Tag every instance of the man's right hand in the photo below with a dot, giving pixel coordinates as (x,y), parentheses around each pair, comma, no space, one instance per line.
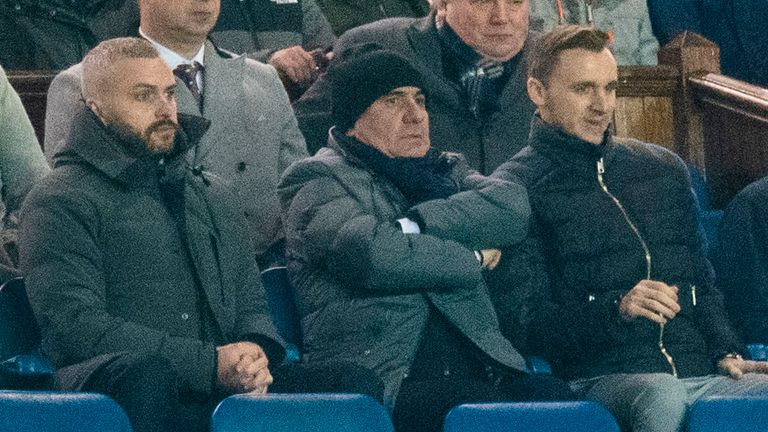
(243,367)
(295,63)
(650,299)
(491,258)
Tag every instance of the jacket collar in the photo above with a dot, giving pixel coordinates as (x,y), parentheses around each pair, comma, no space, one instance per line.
(566,149)
(333,143)
(426,42)
(101,147)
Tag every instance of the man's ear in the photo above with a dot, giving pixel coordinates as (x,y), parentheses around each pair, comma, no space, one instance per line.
(536,91)
(95,107)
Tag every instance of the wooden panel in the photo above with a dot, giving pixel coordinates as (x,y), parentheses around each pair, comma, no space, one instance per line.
(644,104)
(646,118)
(735,130)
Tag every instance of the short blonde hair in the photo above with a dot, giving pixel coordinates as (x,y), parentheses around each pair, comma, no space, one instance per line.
(98,64)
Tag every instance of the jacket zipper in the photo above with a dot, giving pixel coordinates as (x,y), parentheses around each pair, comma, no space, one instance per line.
(646,251)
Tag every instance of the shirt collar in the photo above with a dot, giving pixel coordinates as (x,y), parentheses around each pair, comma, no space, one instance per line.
(172,58)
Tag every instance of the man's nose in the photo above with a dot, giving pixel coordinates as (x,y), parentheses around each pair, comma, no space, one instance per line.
(501,12)
(601,100)
(166,107)
(414,112)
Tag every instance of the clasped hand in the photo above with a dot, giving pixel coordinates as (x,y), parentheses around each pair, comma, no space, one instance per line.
(650,299)
(243,367)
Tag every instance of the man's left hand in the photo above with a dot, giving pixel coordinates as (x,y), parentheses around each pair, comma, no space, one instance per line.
(735,367)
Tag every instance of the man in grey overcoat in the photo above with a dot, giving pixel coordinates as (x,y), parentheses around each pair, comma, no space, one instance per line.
(139,268)
(253,135)
(472,56)
(387,242)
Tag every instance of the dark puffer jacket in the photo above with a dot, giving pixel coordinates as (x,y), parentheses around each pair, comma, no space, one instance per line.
(741,261)
(365,288)
(586,255)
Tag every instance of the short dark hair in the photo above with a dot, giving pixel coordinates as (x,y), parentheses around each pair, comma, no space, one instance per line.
(546,52)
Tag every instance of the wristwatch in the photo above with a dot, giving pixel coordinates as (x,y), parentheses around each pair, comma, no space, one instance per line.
(733,355)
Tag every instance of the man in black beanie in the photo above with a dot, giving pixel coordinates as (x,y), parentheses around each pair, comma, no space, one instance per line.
(387,242)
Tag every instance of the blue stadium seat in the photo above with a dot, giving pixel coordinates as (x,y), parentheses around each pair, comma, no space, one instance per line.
(300,413)
(723,414)
(21,365)
(709,218)
(530,417)
(32,411)
(538,366)
(283,309)
(757,352)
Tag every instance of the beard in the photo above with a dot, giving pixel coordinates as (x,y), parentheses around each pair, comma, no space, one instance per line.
(157,138)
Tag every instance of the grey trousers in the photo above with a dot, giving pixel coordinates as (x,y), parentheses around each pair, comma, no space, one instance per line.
(658,402)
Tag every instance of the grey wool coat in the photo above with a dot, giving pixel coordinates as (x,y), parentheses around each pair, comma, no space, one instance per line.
(364,287)
(252,139)
(111,248)
(485,142)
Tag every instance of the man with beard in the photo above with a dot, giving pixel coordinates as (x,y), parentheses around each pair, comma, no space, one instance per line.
(138,267)
(253,134)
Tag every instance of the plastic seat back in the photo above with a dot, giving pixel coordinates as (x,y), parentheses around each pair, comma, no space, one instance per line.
(530,417)
(25,411)
(723,414)
(303,412)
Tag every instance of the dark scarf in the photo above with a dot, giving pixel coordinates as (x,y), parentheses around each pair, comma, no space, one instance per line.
(481,79)
(418,178)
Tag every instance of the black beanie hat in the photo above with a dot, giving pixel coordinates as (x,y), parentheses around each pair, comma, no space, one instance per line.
(359,79)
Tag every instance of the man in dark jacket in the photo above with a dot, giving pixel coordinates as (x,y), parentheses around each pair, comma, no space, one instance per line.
(472,57)
(387,241)
(347,14)
(55,34)
(741,261)
(253,135)
(139,269)
(292,36)
(624,303)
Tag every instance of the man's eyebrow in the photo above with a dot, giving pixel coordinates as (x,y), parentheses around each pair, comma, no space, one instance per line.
(143,86)
(404,93)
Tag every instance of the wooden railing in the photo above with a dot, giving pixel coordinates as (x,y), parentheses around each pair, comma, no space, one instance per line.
(715,123)
(735,133)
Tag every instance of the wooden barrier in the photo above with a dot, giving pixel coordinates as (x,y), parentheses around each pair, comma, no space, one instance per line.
(735,133)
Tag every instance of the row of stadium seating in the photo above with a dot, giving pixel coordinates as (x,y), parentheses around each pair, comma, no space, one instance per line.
(28,411)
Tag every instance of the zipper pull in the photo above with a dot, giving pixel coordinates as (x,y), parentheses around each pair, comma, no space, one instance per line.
(600,171)
(693,294)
